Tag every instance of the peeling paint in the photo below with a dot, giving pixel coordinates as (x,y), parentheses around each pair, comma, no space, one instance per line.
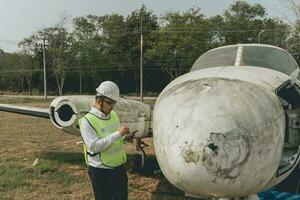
(190,153)
(226,152)
(190,156)
(213,147)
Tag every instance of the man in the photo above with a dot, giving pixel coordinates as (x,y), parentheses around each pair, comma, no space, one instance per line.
(103,145)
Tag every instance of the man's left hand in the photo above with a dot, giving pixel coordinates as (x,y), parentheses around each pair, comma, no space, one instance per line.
(129,137)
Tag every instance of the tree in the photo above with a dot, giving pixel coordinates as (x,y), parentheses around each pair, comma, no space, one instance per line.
(293,39)
(108,47)
(181,39)
(114,54)
(5,67)
(243,23)
(139,21)
(215,26)
(16,71)
(28,55)
(58,50)
(292,7)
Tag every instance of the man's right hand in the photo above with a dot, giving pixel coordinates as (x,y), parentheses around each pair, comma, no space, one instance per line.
(124,130)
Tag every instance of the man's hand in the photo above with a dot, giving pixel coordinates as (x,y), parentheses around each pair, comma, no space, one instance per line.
(124,130)
(129,137)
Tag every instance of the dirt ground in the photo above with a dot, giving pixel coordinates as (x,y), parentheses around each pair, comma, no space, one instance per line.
(38,161)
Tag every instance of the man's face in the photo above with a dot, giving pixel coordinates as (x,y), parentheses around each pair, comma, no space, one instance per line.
(108,105)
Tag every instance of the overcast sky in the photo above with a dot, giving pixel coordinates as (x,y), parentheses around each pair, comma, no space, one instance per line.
(21,18)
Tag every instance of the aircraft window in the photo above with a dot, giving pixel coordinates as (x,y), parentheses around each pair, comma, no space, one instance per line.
(216,58)
(267,57)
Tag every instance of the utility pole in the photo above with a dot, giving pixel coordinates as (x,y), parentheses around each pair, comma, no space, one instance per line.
(258,41)
(141,60)
(79,78)
(78,59)
(44,62)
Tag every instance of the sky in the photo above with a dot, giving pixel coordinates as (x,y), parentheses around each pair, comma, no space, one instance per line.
(21,18)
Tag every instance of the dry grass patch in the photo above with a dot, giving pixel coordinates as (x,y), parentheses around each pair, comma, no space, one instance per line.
(60,172)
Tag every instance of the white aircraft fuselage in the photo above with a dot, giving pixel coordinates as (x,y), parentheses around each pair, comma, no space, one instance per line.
(220,131)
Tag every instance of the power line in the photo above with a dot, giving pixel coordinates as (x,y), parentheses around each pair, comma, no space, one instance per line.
(193,30)
(106,69)
(8,41)
(213,31)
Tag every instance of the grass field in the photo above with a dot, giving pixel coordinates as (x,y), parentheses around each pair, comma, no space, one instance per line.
(38,161)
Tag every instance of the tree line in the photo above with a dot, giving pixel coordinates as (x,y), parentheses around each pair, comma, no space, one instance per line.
(90,49)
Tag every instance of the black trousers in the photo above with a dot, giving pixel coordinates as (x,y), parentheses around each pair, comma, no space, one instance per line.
(109,184)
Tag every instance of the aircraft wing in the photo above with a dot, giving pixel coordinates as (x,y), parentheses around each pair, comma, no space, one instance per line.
(32,111)
(65,111)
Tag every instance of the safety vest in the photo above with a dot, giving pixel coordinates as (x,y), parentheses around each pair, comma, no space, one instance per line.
(114,155)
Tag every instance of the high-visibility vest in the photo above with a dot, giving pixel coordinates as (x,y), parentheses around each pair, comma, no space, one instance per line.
(114,155)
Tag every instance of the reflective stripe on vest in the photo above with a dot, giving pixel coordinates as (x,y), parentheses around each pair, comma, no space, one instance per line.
(114,155)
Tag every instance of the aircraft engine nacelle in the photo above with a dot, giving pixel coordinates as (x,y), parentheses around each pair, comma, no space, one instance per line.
(67,110)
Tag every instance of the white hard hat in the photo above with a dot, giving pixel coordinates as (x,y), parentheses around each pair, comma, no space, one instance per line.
(109,89)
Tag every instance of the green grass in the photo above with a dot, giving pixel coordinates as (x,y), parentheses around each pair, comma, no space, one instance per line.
(47,167)
(12,176)
(64,177)
(52,169)
(73,158)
